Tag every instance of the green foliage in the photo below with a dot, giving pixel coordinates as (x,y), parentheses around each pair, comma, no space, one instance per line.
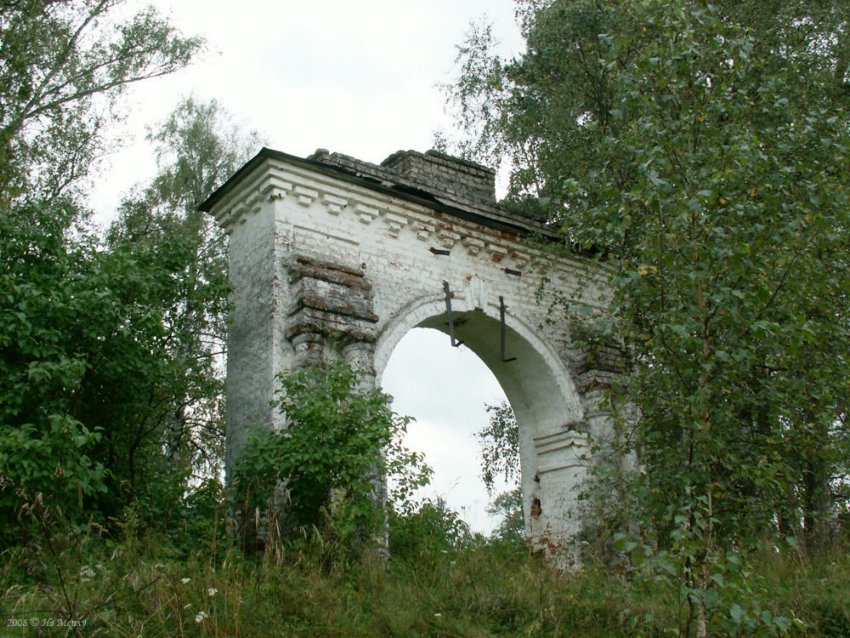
(43,447)
(78,323)
(133,587)
(51,463)
(426,531)
(500,456)
(727,258)
(499,445)
(702,150)
(104,347)
(63,62)
(729,591)
(508,506)
(332,456)
(187,520)
(198,146)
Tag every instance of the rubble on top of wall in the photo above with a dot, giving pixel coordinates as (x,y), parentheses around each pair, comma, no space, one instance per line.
(434,175)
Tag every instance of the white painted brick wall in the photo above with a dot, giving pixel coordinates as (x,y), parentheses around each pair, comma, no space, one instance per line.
(282,209)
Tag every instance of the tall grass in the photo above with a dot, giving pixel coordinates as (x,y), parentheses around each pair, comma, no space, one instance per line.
(84,584)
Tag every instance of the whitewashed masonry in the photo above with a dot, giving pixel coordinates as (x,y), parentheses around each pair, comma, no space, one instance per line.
(332,257)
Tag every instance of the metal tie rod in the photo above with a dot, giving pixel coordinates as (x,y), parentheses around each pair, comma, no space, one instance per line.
(502,331)
(455,342)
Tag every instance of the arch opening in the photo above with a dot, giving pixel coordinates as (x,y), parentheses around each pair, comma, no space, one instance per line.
(535,382)
(445,390)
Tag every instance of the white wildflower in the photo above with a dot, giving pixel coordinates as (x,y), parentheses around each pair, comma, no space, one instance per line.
(199,617)
(185,580)
(212,591)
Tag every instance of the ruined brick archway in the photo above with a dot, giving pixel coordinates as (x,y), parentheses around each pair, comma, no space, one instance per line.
(331,257)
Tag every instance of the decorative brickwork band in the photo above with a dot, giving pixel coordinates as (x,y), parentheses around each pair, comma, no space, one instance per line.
(330,300)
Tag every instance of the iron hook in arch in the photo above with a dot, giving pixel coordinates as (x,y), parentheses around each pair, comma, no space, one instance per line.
(502,331)
(455,342)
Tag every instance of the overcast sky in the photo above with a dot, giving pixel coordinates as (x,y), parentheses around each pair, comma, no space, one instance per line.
(357,77)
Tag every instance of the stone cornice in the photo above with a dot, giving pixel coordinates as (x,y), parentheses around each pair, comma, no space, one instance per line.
(561,450)
(488,216)
(275,178)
